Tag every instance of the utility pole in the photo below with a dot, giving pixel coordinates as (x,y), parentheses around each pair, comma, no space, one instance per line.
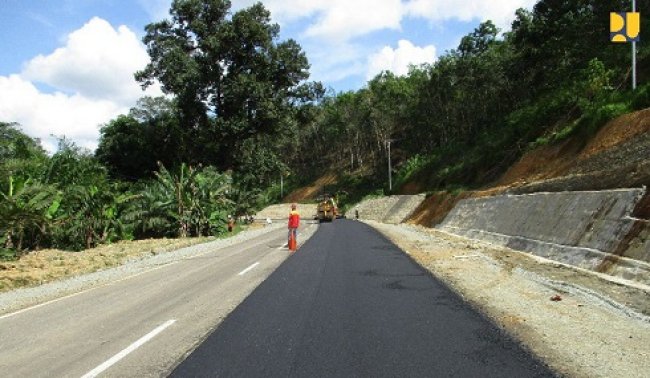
(281,186)
(633,53)
(390,174)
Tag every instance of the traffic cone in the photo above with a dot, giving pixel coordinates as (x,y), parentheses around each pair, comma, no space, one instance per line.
(292,242)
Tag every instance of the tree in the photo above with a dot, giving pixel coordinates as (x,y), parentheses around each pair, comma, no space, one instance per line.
(73,165)
(231,77)
(478,41)
(21,157)
(183,202)
(27,212)
(132,145)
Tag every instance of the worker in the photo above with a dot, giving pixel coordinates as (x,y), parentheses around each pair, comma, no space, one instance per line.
(231,223)
(294,222)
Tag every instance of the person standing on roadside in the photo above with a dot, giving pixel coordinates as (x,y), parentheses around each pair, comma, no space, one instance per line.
(294,223)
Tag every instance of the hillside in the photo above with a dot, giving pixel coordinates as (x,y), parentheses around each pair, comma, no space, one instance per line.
(618,156)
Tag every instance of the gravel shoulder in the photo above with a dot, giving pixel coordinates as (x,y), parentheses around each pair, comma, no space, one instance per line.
(581,323)
(18,299)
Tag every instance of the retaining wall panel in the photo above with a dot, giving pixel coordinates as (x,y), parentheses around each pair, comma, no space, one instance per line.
(591,230)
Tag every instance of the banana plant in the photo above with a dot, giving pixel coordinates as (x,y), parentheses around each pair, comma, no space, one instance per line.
(179,190)
(27,212)
(93,215)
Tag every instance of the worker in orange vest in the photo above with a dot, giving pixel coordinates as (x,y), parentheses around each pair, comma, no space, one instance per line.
(294,222)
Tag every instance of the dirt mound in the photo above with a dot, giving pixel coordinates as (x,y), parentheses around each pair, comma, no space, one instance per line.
(308,193)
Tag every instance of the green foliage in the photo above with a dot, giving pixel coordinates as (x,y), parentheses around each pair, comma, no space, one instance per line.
(241,105)
(72,165)
(182,202)
(90,215)
(131,146)
(641,98)
(7,254)
(232,77)
(27,212)
(594,119)
(21,157)
(414,164)
(463,120)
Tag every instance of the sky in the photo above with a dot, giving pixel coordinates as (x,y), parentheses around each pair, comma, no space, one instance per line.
(66,66)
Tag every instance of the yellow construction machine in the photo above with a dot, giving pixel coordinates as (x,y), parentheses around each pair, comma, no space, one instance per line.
(326,209)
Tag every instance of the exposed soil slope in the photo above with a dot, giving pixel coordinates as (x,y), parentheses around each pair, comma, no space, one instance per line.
(617,156)
(308,193)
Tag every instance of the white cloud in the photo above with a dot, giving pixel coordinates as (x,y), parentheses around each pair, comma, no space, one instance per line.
(335,24)
(343,20)
(42,115)
(92,78)
(97,61)
(500,12)
(335,20)
(398,60)
(334,63)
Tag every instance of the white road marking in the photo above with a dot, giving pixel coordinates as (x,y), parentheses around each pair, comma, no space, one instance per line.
(85,291)
(111,283)
(248,269)
(113,360)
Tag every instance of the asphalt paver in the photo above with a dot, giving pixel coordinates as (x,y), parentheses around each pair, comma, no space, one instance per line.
(349,303)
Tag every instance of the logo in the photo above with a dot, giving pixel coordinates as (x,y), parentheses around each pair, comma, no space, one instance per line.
(624,27)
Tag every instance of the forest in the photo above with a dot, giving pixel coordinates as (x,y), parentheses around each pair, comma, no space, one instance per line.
(240,113)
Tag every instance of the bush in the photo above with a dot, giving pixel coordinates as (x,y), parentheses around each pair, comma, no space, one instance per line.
(413,165)
(593,120)
(7,254)
(641,98)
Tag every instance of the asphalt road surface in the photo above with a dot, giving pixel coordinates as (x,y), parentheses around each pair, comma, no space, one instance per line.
(349,303)
(142,325)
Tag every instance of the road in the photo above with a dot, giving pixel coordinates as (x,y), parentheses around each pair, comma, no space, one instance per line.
(351,304)
(139,326)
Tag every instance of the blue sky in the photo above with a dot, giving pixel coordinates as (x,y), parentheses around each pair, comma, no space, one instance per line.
(67,65)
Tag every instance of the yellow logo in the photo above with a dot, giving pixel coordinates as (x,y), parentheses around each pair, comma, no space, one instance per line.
(624,27)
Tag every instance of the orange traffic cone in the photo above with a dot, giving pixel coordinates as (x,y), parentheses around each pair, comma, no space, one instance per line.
(292,242)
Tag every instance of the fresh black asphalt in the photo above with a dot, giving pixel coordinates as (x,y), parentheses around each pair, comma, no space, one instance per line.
(349,303)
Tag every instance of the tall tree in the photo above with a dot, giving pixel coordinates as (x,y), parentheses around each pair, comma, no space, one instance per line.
(231,76)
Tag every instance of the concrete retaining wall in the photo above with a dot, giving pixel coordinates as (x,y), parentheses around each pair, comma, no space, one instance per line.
(593,230)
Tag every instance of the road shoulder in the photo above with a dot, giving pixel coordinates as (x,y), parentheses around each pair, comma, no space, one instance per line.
(18,299)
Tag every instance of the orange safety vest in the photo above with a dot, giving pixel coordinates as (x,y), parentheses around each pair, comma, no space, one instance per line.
(294,219)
